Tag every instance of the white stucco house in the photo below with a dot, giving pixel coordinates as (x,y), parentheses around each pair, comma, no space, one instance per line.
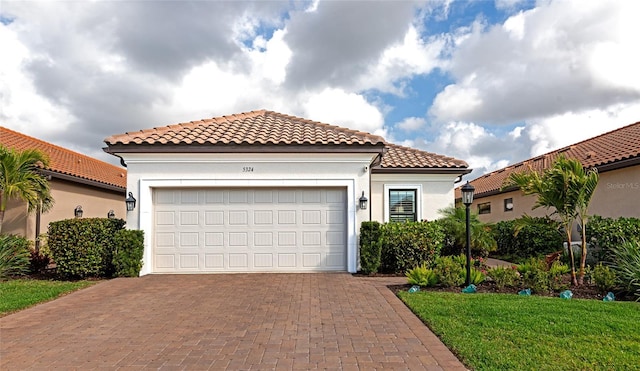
(267,192)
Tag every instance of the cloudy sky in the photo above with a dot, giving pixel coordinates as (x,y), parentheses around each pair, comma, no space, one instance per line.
(489,82)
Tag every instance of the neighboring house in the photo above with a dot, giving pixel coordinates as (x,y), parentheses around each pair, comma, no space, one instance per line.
(263,191)
(75,180)
(615,154)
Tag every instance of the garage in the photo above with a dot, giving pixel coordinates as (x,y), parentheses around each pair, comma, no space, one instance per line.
(249,229)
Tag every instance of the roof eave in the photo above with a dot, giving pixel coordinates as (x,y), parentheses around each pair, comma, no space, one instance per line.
(244,148)
(421,170)
(85,181)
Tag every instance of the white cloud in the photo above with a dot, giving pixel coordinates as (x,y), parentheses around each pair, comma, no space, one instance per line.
(563,56)
(338,107)
(412,123)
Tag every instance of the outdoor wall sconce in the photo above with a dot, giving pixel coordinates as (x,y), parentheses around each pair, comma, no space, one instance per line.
(111,214)
(131,202)
(77,212)
(363,202)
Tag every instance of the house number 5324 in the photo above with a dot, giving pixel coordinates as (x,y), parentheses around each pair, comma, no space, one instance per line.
(247,169)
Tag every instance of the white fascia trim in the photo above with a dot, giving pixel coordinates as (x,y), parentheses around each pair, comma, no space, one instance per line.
(385,198)
(146,206)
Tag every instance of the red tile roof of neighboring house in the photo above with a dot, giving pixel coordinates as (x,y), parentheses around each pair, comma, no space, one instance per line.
(65,162)
(608,151)
(267,128)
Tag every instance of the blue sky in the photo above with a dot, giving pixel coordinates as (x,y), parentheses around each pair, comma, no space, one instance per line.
(489,82)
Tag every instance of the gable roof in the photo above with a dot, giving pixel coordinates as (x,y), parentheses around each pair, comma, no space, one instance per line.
(69,165)
(609,151)
(268,131)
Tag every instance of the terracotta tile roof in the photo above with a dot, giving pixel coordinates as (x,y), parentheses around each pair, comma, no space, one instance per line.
(263,127)
(403,157)
(66,162)
(606,151)
(256,127)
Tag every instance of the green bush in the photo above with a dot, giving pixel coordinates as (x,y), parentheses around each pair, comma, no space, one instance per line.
(476,276)
(604,234)
(604,277)
(370,247)
(14,256)
(38,262)
(127,258)
(422,276)
(539,236)
(454,225)
(504,277)
(539,278)
(84,247)
(407,245)
(626,265)
(448,269)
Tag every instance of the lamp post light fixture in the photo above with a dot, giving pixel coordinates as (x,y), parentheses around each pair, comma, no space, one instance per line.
(363,201)
(111,214)
(77,212)
(131,202)
(467,200)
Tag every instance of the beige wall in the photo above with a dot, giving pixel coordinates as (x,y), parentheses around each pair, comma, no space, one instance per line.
(95,203)
(617,194)
(437,193)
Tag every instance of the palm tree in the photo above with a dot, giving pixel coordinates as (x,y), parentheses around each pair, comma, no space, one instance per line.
(586,182)
(567,189)
(20,179)
(454,220)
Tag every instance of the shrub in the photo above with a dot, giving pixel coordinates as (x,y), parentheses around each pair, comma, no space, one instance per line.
(84,247)
(555,274)
(407,245)
(129,247)
(536,236)
(476,276)
(38,262)
(14,256)
(448,269)
(604,277)
(422,276)
(504,277)
(626,265)
(370,247)
(605,234)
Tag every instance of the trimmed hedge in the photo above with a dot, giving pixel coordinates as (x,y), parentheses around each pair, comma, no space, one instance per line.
(127,258)
(407,245)
(370,247)
(84,247)
(537,239)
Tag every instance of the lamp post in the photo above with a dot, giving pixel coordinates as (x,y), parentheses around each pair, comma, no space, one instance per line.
(467,200)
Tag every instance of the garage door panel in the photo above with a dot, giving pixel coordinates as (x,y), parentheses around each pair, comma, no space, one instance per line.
(278,229)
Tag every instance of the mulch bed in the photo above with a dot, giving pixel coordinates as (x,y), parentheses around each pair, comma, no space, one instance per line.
(586,291)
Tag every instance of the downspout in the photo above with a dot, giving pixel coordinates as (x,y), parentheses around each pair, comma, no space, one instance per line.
(37,239)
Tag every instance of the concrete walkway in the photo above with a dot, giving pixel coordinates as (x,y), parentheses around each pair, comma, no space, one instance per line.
(238,322)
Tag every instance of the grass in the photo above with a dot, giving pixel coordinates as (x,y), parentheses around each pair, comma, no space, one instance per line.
(22,293)
(510,332)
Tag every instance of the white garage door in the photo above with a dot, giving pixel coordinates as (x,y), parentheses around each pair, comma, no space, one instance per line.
(243,230)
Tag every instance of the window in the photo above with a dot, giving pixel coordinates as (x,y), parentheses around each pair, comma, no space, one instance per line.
(508,204)
(402,205)
(484,208)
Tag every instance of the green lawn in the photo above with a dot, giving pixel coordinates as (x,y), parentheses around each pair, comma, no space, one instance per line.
(22,293)
(510,332)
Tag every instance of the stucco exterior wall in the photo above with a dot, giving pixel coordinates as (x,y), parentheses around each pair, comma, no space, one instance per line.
(617,194)
(146,172)
(95,203)
(437,192)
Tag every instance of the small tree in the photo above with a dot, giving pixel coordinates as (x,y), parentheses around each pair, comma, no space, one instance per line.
(566,188)
(20,179)
(455,224)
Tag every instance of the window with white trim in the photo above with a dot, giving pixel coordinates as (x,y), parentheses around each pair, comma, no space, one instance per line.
(402,205)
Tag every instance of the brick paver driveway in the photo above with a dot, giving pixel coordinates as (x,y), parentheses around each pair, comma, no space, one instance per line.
(239,322)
